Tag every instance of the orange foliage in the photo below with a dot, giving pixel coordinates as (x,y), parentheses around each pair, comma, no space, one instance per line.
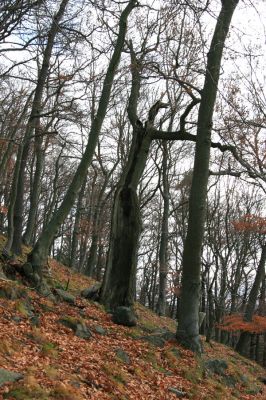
(235,322)
(250,223)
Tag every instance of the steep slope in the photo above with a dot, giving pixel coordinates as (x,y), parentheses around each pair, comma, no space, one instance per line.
(70,349)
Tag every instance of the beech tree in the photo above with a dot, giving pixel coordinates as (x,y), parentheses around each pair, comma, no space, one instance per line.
(188,321)
(40,251)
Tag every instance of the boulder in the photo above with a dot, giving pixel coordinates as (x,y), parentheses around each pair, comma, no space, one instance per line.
(155,340)
(65,296)
(124,316)
(122,355)
(82,331)
(165,334)
(92,292)
(216,366)
(12,292)
(100,330)
(78,327)
(9,376)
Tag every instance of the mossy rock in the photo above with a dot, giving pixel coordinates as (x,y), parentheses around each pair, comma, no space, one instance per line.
(25,308)
(77,326)
(65,296)
(24,393)
(7,376)
(12,292)
(123,356)
(124,316)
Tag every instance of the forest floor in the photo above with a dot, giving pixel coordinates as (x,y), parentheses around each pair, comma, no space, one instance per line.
(42,355)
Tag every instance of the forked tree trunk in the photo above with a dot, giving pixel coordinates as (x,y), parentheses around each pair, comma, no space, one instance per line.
(38,256)
(188,321)
(119,280)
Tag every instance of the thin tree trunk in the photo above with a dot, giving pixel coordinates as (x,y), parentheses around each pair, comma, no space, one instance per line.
(74,242)
(188,321)
(39,253)
(253,296)
(163,269)
(33,123)
(35,190)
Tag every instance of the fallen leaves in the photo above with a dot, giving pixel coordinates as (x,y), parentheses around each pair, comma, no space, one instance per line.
(56,364)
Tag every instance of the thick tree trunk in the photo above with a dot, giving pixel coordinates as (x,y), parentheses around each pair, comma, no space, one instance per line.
(188,322)
(253,296)
(119,279)
(39,253)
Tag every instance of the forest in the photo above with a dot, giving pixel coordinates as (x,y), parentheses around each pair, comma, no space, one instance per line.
(133,151)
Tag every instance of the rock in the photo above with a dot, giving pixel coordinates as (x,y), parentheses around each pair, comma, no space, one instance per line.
(78,327)
(165,334)
(254,391)
(25,308)
(155,340)
(82,331)
(100,330)
(65,296)
(68,322)
(35,320)
(9,376)
(244,379)
(230,380)
(16,319)
(12,293)
(216,366)
(122,355)
(262,379)
(27,269)
(177,392)
(124,316)
(92,292)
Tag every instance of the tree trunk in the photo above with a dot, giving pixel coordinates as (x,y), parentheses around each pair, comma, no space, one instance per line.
(74,242)
(163,269)
(39,253)
(253,296)
(33,123)
(188,322)
(119,279)
(35,190)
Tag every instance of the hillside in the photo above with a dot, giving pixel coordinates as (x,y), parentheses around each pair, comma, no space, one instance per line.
(72,350)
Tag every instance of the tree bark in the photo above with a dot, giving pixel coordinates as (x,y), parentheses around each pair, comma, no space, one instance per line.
(33,123)
(119,279)
(188,322)
(253,296)
(39,253)
(74,242)
(163,269)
